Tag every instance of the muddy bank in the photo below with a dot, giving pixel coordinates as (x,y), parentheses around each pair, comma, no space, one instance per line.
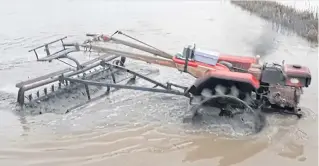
(304,23)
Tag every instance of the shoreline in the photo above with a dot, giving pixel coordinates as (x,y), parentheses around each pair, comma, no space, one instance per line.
(303,23)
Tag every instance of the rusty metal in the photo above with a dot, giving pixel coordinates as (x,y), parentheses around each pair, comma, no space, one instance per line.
(101,66)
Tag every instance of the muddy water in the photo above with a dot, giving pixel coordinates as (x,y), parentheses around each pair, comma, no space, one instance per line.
(134,128)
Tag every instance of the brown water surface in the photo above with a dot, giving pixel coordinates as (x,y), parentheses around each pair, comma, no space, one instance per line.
(139,128)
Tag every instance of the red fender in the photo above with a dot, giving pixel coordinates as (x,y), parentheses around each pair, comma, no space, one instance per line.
(234,76)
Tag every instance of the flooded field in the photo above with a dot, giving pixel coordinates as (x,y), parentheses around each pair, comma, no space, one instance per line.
(140,128)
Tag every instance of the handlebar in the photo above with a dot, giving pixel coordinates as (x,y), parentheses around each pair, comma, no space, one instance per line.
(43,45)
(91,35)
(69,44)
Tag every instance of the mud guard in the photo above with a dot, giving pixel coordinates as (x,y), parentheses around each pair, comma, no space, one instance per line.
(245,82)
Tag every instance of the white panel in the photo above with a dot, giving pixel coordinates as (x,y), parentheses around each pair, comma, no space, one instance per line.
(208,57)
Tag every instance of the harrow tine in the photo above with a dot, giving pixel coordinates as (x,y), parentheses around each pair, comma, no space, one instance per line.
(30,97)
(45,91)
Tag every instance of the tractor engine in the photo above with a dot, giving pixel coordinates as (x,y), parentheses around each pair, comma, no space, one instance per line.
(284,96)
(283,83)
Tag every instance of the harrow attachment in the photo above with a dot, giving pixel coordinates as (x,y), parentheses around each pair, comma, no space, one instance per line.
(97,77)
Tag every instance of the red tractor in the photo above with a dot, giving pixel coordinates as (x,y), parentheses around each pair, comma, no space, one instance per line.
(270,86)
(229,82)
(235,85)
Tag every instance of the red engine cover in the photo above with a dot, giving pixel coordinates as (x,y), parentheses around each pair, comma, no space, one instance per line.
(297,70)
(297,75)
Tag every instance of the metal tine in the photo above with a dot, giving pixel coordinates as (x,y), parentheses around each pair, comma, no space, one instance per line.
(38,94)
(30,97)
(52,88)
(45,91)
(59,85)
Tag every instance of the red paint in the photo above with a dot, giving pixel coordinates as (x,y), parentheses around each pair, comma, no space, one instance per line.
(242,77)
(229,58)
(221,71)
(105,38)
(193,63)
(237,59)
(302,71)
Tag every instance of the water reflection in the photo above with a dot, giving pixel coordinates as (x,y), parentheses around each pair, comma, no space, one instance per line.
(292,150)
(230,151)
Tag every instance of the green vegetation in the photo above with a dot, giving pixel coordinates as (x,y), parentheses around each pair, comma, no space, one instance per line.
(303,23)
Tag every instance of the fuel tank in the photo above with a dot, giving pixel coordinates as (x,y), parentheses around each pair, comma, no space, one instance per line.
(296,75)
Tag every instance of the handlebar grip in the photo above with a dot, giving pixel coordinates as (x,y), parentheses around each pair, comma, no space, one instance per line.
(91,35)
(69,44)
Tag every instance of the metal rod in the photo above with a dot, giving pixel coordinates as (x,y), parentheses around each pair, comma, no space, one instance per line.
(59,54)
(69,74)
(78,65)
(121,33)
(149,49)
(93,99)
(87,91)
(145,58)
(66,63)
(143,48)
(94,83)
(139,75)
(62,44)
(20,84)
(36,54)
(47,50)
(112,74)
(178,86)
(187,58)
(197,71)
(54,41)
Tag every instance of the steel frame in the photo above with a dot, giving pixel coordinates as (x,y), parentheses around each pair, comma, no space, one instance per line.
(66,76)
